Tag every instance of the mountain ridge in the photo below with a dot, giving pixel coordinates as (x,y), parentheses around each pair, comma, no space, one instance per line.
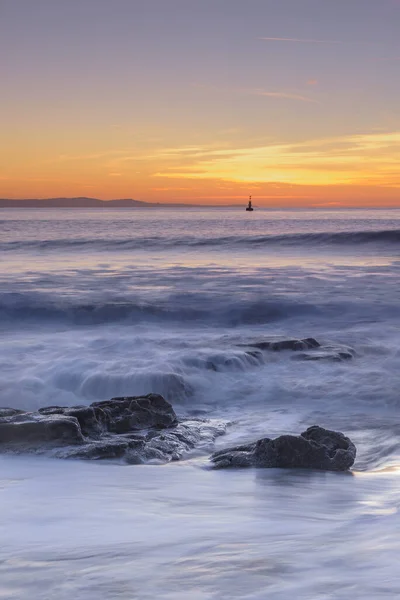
(84,202)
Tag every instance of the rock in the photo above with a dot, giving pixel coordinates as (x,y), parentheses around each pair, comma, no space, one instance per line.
(93,423)
(131,413)
(316,448)
(119,415)
(156,446)
(185,437)
(279,344)
(105,449)
(10,412)
(138,429)
(330,353)
(306,349)
(32,430)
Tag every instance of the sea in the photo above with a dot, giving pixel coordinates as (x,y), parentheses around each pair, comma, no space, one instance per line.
(112,302)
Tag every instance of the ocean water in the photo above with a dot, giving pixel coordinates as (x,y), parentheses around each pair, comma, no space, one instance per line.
(103,303)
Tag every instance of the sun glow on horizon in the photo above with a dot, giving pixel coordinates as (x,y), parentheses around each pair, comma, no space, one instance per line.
(329,169)
(134,104)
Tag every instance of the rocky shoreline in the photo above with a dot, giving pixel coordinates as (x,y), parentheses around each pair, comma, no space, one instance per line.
(146,429)
(143,429)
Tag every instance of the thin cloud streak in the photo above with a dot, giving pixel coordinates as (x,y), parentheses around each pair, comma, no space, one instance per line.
(287,96)
(261,92)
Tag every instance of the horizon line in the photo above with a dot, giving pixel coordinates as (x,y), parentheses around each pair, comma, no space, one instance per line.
(315,206)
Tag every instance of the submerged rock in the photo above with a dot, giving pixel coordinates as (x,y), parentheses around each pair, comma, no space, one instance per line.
(305,349)
(330,353)
(139,429)
(315,448)
(279,344)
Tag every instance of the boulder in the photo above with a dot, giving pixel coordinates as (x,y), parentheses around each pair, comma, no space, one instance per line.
(32,430)
(138,429)
(159,446)
(119,415)
(315,448)
(93,423)
(132,413)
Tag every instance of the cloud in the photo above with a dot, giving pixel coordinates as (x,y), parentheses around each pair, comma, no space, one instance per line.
(300,41)
(285,95)
(89,156)
(365,159)
(288,95)
(312,82)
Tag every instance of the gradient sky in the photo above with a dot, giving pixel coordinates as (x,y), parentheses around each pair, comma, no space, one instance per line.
(294,101)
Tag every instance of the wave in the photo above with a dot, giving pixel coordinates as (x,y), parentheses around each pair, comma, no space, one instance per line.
(351,238)
(16,309)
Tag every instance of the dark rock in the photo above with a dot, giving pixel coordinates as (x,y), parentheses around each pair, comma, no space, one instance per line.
(147,455)
(83,424)
(93,422)
(188,435)
(104,449)
(307,349)
(316,448)
(52,410)
(157,446)
(256,354)
(329,353)
(32,430)
(10,412)
(138,429)
(130,413)
(277,345)
(119,415)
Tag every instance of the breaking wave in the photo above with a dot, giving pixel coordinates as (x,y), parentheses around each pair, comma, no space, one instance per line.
(41,309)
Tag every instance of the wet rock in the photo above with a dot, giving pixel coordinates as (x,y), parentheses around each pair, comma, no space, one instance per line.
(104,449)
(93,423)
(32,430)
(176,442)
(119,415)
(307,349)
(279,344)
(329,353)
(10,412)
(155,446)
(315,448)
(130,413)
(138,429)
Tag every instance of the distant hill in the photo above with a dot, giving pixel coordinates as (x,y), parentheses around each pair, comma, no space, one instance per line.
(82,202)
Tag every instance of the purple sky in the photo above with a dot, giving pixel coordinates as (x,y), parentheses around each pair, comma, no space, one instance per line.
(97,93)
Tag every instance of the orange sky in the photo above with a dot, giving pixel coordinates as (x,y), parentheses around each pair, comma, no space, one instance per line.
(136,104)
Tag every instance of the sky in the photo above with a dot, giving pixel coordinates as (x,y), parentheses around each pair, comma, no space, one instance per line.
(293,101)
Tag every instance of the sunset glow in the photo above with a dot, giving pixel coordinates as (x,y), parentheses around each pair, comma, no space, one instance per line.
(294,102)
